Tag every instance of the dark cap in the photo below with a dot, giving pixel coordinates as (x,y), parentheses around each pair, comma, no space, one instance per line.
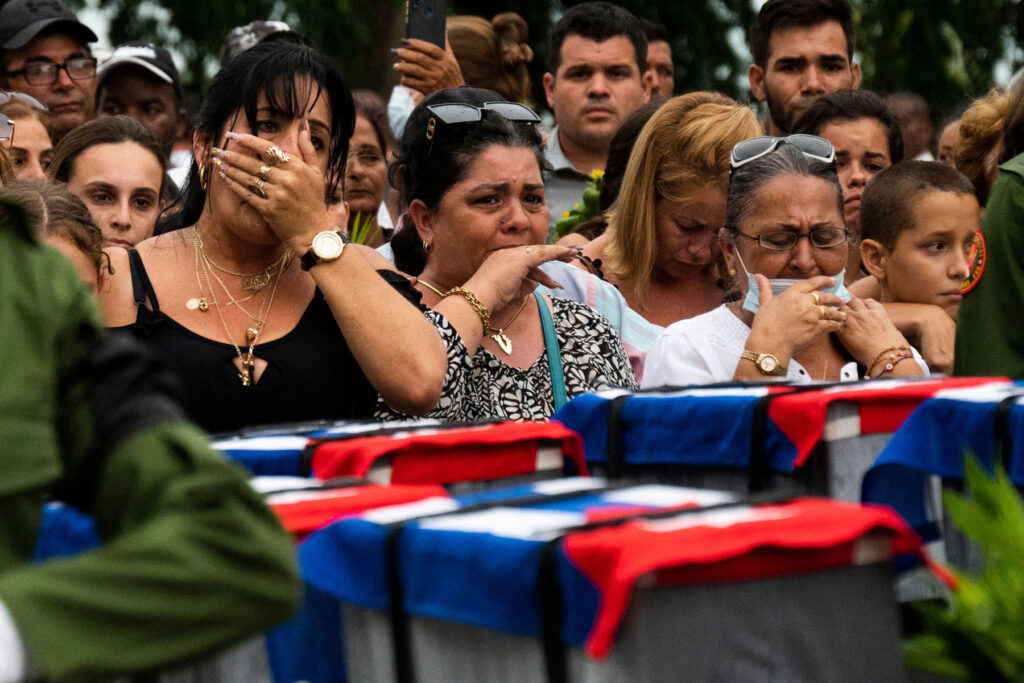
(23,20)
(153,58)
(241,38)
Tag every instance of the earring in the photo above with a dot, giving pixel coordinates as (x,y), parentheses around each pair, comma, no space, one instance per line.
(732,272)
(203,184)
(428,246)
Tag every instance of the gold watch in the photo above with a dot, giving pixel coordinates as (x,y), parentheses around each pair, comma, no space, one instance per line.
(766,363)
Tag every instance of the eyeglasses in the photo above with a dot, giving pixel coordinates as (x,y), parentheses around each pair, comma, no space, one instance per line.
(457,112)
(6,97)
(784,240)
(46,73)
(754,148)
(7,131)
(366,156)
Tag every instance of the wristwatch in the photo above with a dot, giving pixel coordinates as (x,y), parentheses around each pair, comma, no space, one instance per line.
(327,246)
(766,363)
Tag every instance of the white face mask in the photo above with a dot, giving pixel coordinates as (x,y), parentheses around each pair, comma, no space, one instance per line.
(780,285)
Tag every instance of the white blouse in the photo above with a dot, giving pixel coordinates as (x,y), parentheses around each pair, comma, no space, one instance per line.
(706,350)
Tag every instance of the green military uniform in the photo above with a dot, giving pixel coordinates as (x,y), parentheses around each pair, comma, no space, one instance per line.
(989,332)
(192,559)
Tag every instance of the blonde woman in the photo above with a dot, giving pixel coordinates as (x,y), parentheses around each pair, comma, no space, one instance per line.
(660,248)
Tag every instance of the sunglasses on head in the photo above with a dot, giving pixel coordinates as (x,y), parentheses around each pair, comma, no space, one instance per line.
(6,96)
(457,112)
(753,149)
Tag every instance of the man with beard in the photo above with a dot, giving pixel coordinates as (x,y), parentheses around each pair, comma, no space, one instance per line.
(802,50)
(44,52)
(598,77)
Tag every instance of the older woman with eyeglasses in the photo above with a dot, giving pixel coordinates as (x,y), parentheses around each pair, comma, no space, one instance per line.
(786,240)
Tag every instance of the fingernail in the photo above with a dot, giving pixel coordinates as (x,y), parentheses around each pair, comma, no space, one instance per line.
(232,135)
(558,285)
(394,50)
(404,41)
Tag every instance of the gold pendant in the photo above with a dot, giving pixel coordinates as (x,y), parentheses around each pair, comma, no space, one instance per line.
(245,374)
(503,342)
(250,335)
(254,283)
(197,303)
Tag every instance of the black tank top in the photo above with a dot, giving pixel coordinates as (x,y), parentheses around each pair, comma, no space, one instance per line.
(310,373)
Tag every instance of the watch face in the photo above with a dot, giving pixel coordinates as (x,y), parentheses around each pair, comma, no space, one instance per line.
(768,363)
(327,245)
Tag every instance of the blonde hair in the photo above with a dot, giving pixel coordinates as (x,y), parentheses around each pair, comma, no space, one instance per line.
(687,141)
(981,139)
(493,54)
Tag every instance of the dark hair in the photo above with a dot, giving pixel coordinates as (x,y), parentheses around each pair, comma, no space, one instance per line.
(619,150)
(785,159)
(106,130)
(1013,125)
(887,207)
(597,21)
(54,211)
(655,31)
(370,106)
(272,68)
(776,15)
(852,105)
(426,169)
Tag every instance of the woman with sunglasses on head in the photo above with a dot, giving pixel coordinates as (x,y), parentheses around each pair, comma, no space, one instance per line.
(469,169)
(256,300)
(786,241)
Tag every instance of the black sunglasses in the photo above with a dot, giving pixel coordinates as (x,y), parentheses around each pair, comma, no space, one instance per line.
(752,149)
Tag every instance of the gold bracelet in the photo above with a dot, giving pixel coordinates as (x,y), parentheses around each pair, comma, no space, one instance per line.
(881,354)
(474,301)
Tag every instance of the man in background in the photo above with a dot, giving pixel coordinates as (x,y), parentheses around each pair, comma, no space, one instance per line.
(44,52)
(802,50)
(659,59)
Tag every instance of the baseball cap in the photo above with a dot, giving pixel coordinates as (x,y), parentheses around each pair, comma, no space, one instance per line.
(23,20)
(150,57)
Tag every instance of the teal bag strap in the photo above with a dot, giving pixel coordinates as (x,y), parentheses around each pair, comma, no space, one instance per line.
(554,353)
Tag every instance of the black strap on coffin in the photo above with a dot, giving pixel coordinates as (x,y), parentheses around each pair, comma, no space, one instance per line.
(1002,444)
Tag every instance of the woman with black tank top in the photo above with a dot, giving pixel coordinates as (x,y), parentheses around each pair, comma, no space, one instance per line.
(265,316)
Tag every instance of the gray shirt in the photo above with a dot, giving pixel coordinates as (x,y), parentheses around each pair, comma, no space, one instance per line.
(564,184)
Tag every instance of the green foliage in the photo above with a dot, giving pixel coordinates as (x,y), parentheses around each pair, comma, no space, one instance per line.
(590,208)
(364,229)
(980,637)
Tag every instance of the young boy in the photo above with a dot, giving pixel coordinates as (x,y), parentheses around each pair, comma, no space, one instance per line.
(919,221)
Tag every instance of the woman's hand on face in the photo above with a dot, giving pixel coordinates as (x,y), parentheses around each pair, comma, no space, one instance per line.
(293,205)
(509,274)
(425,67)
(786,323)
(868,330)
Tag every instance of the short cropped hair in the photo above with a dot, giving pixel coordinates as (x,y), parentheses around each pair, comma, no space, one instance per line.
(776,15)
(887,207)
(597,21)
(852,105)
(655,31)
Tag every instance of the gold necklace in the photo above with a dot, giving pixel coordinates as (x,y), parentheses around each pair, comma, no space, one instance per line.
(251,282)
(499,336)
(431,287)
(252,333)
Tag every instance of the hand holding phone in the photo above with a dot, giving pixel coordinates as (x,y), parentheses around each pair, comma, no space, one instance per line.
(425,20)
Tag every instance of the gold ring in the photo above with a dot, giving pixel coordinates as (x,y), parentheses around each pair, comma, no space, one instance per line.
(821,313)
(256,187)
(276,156)
(263,172)
(817,299)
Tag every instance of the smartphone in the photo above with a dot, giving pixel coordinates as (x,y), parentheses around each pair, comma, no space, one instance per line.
(425,19)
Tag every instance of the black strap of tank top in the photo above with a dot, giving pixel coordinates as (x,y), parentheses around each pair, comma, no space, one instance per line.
(142,288)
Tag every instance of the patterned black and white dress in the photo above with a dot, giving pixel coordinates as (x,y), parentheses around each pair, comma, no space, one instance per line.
(485,388)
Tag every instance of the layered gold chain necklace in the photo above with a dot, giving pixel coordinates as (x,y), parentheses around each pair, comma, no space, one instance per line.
(252,332)
(498,335)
